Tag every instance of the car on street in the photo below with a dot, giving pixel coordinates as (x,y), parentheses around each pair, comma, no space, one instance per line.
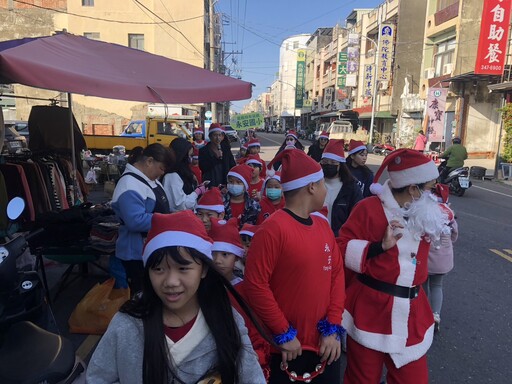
(231,133)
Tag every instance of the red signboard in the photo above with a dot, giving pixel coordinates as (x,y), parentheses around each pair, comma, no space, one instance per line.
(492,46)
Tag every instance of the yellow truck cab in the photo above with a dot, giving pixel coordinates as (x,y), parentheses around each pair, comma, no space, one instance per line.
(144,132)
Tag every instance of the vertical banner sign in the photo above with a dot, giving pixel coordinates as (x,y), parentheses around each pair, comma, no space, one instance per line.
(436,104)
(342,69)
(368,80)
(353,54)
(492,45)
(299,82)
(386,51)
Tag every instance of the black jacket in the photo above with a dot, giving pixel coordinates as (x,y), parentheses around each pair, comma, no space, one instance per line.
(347,198)
(214,169)
(364,177)
(315,151)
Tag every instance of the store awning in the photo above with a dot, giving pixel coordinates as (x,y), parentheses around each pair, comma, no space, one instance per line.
(340,114)
(501,87)
(378,115)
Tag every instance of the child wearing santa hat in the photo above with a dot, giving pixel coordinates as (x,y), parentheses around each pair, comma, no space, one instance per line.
(343,192)
(253,147)
(199,141)
(290,140)
(294,277)
(227,247)
(210,206)
(440,257)
(237,202)
(272,196)
(194,166)
(240,157)
(258,175)
(386,242)
(356,162)
(317,148)
(172,332)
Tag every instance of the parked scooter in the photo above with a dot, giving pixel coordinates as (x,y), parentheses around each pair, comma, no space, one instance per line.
(383,149)
(457,179)
(29,354)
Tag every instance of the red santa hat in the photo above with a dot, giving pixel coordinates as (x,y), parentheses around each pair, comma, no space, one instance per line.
(181,229)
(323,213)
(271,174)
(253,143)
(335,150)
(297,169)
(198,130)
(211,200)
(292,133)
(324,135)
(405,167)
(355,146)
(242,172)
(248,229)
(254,159)
(244,146)
(443,192)
(226,237)
(215,127)
(195,154)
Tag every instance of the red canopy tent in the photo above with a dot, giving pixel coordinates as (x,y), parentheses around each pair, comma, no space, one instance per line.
(75,64)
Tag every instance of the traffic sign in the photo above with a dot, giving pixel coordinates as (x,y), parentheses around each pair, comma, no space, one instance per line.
(208,114)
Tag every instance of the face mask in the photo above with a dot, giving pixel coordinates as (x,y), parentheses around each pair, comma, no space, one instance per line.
(273,193)
(330,170)
(235,189)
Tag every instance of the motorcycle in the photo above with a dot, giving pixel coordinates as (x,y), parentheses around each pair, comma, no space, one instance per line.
(29,354)
(383,149)
(457,180)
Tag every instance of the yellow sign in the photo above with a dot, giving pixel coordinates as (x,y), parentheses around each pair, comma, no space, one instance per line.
(247,121)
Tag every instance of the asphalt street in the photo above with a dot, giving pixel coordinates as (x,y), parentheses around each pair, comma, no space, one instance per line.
(475,341)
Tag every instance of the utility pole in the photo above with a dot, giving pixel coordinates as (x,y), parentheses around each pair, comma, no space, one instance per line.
(212,54)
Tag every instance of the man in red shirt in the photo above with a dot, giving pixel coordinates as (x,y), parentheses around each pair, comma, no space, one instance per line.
(294,277)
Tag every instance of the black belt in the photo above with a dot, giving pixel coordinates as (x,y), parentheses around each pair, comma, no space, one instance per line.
(390,289)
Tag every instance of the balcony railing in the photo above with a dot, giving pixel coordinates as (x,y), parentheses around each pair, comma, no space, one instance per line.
(448,13)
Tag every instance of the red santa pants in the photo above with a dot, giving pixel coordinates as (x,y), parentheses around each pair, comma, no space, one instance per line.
(364,366)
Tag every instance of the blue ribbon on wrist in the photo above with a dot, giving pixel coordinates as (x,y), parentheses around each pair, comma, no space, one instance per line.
(289,335)
(327,329)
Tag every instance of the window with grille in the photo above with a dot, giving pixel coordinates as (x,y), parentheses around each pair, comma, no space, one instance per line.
(87,3)
(444,55)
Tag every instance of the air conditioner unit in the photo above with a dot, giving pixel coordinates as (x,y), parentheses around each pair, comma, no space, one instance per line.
(447,69)
(430,73)
(383,85)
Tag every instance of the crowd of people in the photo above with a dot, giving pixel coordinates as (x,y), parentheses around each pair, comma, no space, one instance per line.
(248,272)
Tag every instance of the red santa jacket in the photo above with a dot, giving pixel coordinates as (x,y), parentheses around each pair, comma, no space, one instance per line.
(267,208)
(401,327)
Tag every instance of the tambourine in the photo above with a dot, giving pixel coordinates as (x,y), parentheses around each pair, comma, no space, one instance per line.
(306,377)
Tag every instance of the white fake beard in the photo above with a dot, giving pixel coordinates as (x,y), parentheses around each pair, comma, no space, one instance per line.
(425,217)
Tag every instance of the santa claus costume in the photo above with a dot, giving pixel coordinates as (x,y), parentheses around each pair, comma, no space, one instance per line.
(387,315)
(294,276)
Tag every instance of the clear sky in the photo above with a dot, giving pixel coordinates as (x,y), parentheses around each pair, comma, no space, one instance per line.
(257,27)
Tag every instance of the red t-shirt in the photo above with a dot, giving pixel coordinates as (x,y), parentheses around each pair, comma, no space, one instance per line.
(255,187)
(178,333)
(237,209)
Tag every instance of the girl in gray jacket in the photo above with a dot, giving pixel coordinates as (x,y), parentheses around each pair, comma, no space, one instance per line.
(182,328)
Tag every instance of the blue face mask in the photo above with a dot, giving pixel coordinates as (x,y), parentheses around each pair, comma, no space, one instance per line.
(235,189)
(273,193)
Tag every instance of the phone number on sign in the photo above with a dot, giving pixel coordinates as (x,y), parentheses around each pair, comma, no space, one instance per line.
(491,67)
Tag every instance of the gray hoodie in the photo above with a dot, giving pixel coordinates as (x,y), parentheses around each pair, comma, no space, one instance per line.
(118,356)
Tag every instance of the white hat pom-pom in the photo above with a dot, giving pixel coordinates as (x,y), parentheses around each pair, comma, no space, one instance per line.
(271,173)
(376,188)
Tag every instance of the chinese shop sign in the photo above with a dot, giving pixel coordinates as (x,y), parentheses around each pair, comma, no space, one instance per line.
(386,51)
(492,45)
(436,104)
(301,71)
(247,120)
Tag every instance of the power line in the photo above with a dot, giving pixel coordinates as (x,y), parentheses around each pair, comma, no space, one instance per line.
(102,19)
